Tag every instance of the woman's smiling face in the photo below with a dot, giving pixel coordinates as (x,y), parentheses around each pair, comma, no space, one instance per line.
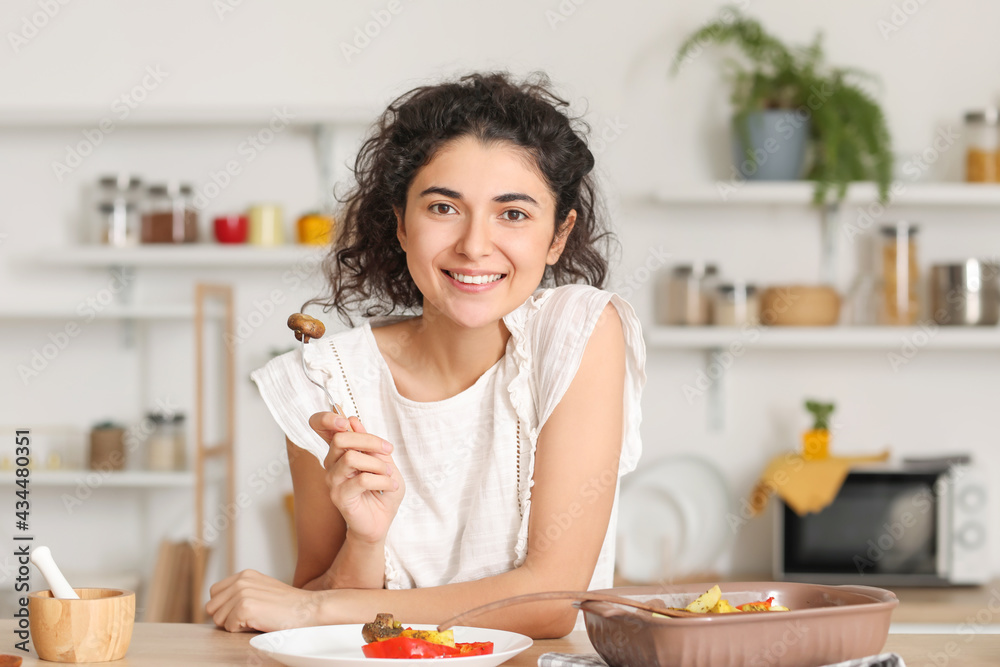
(478,231)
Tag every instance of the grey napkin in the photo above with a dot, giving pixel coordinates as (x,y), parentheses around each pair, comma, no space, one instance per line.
(594,660)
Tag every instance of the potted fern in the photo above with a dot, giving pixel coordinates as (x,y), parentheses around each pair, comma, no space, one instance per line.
(793,114)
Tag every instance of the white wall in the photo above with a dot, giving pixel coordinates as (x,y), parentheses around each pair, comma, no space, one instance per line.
(611,59)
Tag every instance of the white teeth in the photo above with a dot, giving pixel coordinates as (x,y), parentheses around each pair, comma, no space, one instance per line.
(475,280)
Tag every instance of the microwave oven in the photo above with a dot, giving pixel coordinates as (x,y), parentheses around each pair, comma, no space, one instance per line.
(892,526)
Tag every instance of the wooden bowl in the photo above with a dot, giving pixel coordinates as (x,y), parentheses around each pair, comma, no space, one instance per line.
(800,306)
(95,628)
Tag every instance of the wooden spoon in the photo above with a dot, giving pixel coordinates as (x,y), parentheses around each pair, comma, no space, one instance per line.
(580,596)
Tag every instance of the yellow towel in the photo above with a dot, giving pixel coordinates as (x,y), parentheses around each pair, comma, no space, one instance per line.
(806,486)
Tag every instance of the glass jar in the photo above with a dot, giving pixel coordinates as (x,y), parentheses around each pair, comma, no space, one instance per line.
(231,228)
(314,229)
(735,304)
(982,152)
(118,199)
(684,295)
(864,298)
(169,215)
(180,442)
(266,225)
(161,447)
(900,277)
(107,447)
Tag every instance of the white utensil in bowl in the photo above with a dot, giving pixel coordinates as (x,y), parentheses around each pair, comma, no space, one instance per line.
(42,558)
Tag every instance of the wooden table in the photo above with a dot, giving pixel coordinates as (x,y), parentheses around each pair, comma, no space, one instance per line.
(948,605)
(178,644)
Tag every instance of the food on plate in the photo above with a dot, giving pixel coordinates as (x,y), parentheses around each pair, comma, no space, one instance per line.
(387,638)
(712,602)
(723,607)
(706,601)
(763,605)
(305,327)
(383,627)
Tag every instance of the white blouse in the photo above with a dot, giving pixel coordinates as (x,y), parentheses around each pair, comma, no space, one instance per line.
(467,460)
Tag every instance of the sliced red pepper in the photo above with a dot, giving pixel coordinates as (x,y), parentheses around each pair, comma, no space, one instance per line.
(475,648)
(763,605)
(408,648)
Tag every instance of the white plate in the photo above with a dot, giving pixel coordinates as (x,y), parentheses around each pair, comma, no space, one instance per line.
(340,645)
(672,519)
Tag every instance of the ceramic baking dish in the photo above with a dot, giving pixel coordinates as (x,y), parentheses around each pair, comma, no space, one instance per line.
(826,624)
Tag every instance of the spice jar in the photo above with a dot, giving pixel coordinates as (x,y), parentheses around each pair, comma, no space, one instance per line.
(314,229)
(160,447)
(982,153)
(900,300)
(684,295)
(735,304)
(118,198)
(169,215)
(107,447)
(180,442)
(864,296)
(266,225)
(231,228)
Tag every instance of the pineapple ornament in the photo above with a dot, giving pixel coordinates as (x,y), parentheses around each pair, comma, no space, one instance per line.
(816,441)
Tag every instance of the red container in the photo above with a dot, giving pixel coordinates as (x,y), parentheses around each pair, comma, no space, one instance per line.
(231,228)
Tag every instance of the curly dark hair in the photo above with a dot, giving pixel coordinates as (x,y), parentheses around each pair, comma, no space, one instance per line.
(366,268)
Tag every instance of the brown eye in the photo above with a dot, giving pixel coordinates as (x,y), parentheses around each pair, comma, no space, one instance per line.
(437,208)
(519,215)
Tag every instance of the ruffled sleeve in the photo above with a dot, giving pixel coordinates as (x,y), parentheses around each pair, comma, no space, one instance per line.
(292,398)
(559,331)
(549,334)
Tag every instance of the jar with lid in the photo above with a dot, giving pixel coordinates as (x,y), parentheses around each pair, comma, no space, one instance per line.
(180,442)
(864,298)
(266,225)
(107,447)
(982,152)
(900,277)
(314,229)
(735,304)
(169,214)
(160,447)
(118,198)
(684,295)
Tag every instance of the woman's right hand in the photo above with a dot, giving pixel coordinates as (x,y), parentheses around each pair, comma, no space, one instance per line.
(365,484)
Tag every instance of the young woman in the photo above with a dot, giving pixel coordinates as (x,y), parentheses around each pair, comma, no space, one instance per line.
(492,419)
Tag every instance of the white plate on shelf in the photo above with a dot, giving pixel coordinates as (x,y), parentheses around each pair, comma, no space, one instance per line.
(672,519)
(340,646)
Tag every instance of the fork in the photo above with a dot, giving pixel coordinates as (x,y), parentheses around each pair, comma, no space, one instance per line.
(305,328)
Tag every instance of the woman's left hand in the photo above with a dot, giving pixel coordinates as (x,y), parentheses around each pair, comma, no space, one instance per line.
(250,600)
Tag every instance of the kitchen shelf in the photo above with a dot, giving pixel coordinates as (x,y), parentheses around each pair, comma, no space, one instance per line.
(298,116)
(182,255)
(800,193)
(134,479)
(823,338)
